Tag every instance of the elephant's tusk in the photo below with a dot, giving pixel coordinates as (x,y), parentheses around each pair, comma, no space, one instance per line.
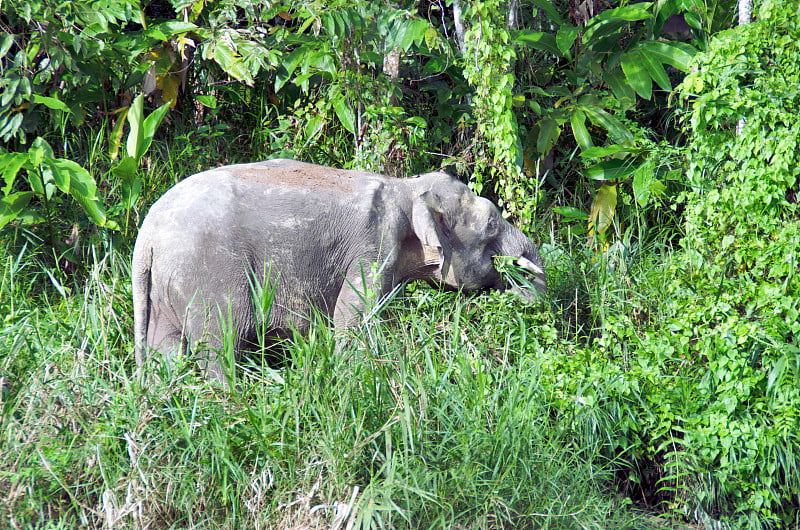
(538,280)
(528,265)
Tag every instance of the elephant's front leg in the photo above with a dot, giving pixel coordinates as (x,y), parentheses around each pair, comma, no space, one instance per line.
(362,289)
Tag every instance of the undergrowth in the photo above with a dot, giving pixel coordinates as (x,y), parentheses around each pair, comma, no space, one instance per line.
(433,418)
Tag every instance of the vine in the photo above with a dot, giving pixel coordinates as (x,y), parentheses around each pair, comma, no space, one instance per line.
(489,57)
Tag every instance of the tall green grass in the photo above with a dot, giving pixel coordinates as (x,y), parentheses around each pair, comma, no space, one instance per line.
(431,418)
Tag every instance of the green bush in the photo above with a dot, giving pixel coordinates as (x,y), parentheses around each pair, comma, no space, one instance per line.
(704,392)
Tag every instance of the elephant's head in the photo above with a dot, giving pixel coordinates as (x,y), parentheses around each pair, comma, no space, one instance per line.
(467,232)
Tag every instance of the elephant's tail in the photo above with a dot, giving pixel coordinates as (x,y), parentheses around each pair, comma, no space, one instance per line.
(141,282)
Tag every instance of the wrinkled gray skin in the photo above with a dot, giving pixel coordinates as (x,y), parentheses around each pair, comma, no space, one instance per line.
(316,232)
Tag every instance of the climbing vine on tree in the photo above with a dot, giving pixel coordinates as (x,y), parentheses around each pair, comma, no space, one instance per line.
(489,57)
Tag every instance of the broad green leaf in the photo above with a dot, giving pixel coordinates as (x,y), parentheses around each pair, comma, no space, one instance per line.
(62,171)
(614,169)
(565,38)
(136,120)
(603,209)
(116,133)
(539,40)
(639,79)
(10,127)
(39,151)
(10,164)
(51,103)
(612,20)
(619,85)
(578,121)
(571,213)
(150,126)
(656,70)
(345,113)
(231,62)
(775,374)
(9,92)
(12,205)
(8,41)
(131,191)
(642,182)
(595,152)
(552,14)
(290,62)
(207,101)
(175,27)
(315,125)
(126,169)
(549,131)
(616,130)
(42,181)
(82,188)
(419,31)
(628,13)
(676,54)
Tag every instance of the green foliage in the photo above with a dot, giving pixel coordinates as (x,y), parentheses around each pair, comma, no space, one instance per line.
(44,175)
(488,60)
(422,424)
(699,361)
(741,249)
(590,91)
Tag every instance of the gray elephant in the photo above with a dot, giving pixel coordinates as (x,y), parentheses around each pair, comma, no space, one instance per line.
(313,236)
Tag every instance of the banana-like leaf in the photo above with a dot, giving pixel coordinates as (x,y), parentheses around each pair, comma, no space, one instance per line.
(656,70)
(10,164)
(549,10)
(571,213)
(578,122)
(345,113)
(12,205)
(676,54)
(565,38)
(539,40)
(614,169)
(619,85)
(603,209)
(639,79)
(616,130)
(116,133)
(136,120)
(549,131)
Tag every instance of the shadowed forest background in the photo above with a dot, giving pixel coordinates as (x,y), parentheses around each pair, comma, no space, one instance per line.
(650,149)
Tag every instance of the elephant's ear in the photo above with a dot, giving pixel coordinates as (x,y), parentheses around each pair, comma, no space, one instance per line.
(430,225)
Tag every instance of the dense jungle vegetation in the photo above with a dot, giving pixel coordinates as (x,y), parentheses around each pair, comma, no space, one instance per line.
(649,148)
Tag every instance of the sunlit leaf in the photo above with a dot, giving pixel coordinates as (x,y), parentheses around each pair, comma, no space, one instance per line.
(606,150)
(571,213)
(614,169)
(656,70)
(676,54)
(135,117)
(539,40)
(11,206)
(344,113)
(116,134)
(616,130)
(633,66)
(565,38)
(603,209)
(578,122)
(10,164)
(549,131)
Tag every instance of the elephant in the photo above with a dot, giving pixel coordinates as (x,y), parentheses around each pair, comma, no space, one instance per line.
(317,238)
